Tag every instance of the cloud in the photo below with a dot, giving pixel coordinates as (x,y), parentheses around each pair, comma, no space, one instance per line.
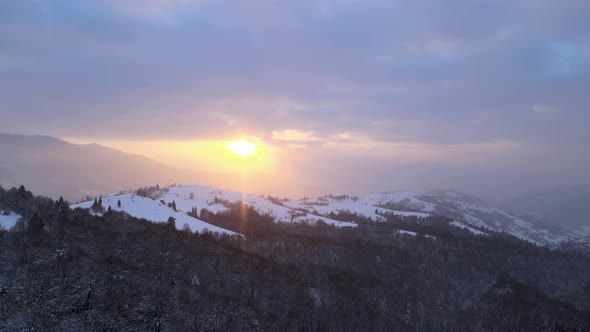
(464,153)
(411,74)
(151,8)
(294,135)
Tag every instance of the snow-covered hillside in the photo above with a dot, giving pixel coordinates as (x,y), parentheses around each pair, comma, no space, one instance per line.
(583,230)
(470,229)
(470,213)
(410,233)
(582,241)
(8,219)
(215,200)
(466,211)
(149,209)
(368,206)
(201,197)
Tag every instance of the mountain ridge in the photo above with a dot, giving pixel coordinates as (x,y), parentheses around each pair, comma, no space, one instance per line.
(477,219)
(54,167)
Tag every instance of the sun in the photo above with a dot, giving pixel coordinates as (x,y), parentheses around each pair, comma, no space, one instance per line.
(242,148)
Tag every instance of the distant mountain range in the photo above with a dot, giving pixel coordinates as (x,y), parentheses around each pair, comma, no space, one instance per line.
(53,167)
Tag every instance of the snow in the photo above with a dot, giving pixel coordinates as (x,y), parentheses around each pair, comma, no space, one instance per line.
(205,197)
(470,211)
(8,221)
(583,231)
(153,210)
(316,296)
(213,199)
(406,198)
(466,211)
(401,231)
(470,229)
(365,206)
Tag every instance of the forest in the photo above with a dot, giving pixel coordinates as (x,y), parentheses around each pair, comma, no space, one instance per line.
(75,270)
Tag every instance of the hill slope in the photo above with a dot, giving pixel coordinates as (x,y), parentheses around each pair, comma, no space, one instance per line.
(149,209)
(466,211)
(202,197)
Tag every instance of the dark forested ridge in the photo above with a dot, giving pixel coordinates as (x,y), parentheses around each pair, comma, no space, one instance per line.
(69,270)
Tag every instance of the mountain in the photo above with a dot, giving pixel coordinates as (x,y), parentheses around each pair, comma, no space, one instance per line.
(53,167)
(566,207)
(149,209)
(464,211)
(77,269)
(157,206)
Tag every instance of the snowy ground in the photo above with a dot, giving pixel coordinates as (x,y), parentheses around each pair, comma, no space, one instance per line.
(366,206)
(153,210)
(206,197)
(8,221)
(215,200)
(468,212)
(404,232)
(470,229)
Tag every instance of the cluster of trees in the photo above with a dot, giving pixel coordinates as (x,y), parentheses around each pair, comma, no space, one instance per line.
(275,200)
(194,212)
(71,270)
(403,205)
(172,205)
(152,192)
(97,205)
(16,200)
(343,197)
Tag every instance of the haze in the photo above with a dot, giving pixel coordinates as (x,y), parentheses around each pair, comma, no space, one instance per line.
(487,97)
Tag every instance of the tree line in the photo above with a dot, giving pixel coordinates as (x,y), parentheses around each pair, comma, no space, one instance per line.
(73,270)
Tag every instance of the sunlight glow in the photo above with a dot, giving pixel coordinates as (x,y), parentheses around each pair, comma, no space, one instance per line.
(242,148)
(211,162)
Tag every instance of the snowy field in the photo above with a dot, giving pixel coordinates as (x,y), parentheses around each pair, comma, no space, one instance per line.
(9,220)
(467,212)
(140,207)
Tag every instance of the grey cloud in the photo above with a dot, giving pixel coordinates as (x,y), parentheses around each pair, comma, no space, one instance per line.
(396,71)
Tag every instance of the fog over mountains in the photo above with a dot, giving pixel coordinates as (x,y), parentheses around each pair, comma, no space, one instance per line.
(140,256)
(54,167)
(566,206)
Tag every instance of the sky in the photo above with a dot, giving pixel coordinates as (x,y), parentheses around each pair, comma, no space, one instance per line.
(356,96)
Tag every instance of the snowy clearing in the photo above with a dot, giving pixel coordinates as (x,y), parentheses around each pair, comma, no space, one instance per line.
(7,221)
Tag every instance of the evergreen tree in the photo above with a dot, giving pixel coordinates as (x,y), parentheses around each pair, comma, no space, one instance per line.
(62,219)
(171,222)
(97,206)
(22,192)
(36,225)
